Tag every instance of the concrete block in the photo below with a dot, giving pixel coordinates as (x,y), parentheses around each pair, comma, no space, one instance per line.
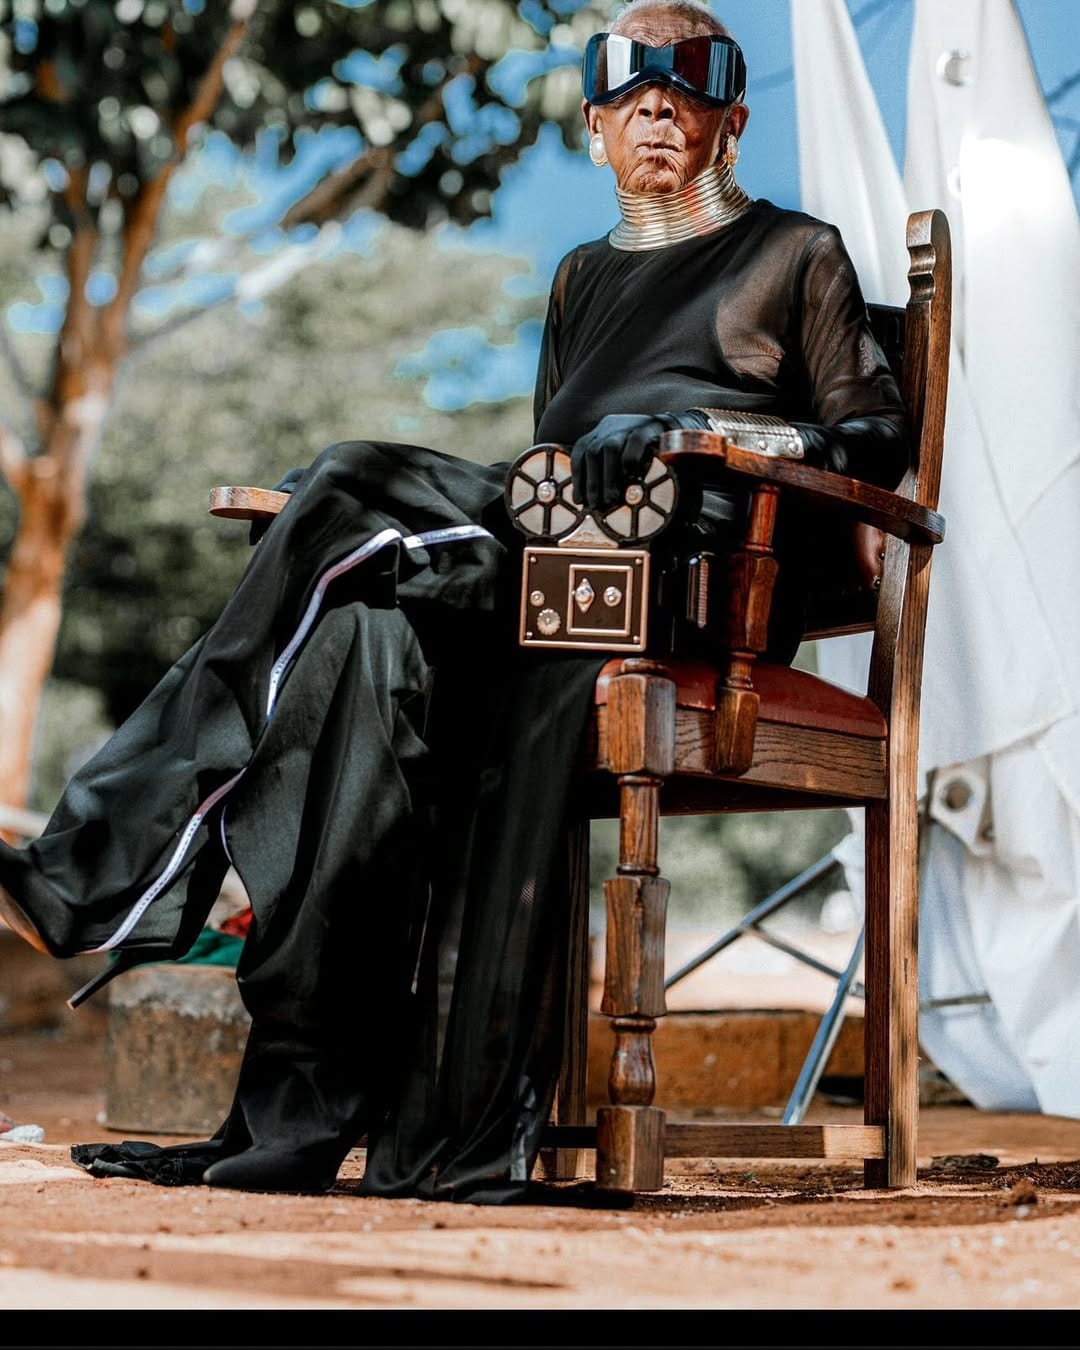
(176,1035)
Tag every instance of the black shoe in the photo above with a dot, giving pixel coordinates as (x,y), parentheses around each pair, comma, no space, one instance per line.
(267,1170)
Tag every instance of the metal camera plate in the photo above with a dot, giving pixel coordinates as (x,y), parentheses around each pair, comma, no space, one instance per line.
(592,598)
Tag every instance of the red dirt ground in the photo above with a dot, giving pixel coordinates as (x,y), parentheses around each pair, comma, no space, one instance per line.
(766,1236)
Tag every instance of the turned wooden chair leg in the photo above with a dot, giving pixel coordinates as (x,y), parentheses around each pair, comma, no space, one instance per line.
(630,1132)
(752,573)
(892,989)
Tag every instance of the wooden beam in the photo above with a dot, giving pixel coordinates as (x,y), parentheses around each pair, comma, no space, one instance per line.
(774,1141)
(746,1140)
(800,758)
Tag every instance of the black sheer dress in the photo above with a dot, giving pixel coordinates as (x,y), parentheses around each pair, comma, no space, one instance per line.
(360,735)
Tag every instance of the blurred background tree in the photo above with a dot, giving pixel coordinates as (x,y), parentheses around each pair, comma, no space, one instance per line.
(101,102)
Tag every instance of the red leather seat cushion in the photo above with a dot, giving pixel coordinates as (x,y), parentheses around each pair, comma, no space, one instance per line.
(793,697)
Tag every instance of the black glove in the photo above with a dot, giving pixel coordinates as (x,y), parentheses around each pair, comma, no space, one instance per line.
(617,451)
(872,449)
(286,484)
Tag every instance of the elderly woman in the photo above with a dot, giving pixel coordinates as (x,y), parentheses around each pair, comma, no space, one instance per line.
(360,733)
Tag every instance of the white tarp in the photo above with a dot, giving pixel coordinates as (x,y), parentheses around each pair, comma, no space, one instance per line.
(1000,895)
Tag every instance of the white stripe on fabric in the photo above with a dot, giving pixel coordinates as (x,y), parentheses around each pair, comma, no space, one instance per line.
(444,535)
(224,841)
(149,896)
(358,555)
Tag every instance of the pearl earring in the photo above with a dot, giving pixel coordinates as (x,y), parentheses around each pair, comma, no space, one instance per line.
(598,151)
(731,151)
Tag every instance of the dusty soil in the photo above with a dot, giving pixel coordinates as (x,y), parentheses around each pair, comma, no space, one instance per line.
(1002,1235)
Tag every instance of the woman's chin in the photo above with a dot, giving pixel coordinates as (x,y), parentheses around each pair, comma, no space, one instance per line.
(656,178)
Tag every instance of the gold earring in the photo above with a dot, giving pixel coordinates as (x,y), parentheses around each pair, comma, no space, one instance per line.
(731,151)
(598,151)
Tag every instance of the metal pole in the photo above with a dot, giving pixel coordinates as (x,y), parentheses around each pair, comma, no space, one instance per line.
(824,1040)
(769,905)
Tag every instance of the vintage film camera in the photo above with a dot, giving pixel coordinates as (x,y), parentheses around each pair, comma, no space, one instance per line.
(595,580)
(587,578)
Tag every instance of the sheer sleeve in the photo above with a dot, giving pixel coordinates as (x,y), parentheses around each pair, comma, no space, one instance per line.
(548,373)
(859,426)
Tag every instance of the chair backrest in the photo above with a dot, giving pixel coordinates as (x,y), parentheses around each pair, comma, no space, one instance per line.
(927,345)
(915,341)
(887,322)
(895,679)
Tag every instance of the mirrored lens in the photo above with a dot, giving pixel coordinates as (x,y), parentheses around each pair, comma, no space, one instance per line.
(690,61)
(615,58)
(709,66)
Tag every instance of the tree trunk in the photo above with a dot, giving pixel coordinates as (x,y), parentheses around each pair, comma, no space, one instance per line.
(51,491)
(51,486)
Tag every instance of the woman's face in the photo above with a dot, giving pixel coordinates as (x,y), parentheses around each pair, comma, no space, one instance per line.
(658,139)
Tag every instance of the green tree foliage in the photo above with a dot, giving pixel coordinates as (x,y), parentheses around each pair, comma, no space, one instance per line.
(439,110)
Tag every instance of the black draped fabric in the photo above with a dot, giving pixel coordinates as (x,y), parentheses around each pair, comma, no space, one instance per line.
(405,802)
(764,316)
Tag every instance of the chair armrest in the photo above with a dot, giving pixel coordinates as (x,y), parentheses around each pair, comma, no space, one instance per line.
(702,452)
(246,503)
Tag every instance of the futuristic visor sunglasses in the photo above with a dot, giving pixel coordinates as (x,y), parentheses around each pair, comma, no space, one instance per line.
(710,68)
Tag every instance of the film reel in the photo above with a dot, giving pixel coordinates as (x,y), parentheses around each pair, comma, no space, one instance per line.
(540,498)
(540,493)
(646,509)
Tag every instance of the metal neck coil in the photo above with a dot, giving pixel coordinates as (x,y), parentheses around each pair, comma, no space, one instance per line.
(656,219)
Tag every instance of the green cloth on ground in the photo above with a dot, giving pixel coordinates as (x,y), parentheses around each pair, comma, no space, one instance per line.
(212,948)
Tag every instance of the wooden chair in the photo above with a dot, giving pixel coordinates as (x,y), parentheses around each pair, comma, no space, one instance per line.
(677,736)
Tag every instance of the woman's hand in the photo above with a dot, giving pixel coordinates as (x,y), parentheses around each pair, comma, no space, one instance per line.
(617,451)
(869,544)
(873,449)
